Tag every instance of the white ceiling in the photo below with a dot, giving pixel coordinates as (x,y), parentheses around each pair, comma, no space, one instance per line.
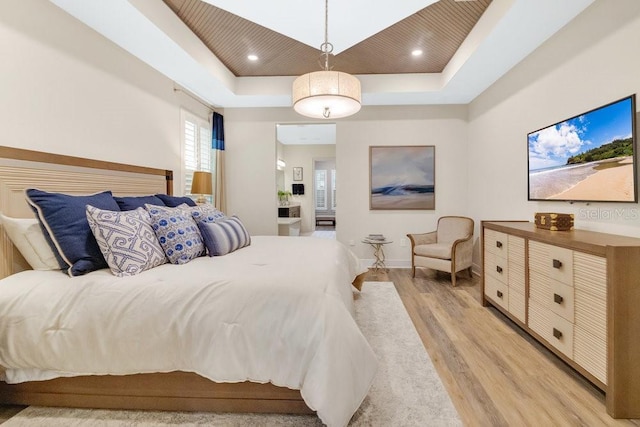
(306,134)
(304,20)
(507,32)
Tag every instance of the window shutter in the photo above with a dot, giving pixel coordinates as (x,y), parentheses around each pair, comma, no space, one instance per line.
(190,153)
(198,155)
(333,189)
(321,189)
(204,158)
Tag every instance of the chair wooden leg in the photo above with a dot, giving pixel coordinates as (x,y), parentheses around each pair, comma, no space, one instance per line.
(413,271)
(453,278)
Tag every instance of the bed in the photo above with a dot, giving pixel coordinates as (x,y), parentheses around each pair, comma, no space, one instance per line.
(279,337)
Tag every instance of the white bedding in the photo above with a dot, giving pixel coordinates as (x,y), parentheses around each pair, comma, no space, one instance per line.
(279,311)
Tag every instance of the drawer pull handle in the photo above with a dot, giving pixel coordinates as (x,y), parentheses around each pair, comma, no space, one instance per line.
(557,333)
(557,263)
(557,299)
(498,244)
(499,269)
(499,293)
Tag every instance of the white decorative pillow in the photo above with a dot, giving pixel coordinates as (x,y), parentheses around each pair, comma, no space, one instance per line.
(177,233)
(224,236)
(126,240)
(27,235)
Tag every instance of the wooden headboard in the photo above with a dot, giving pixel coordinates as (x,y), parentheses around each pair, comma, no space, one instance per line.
(21,169)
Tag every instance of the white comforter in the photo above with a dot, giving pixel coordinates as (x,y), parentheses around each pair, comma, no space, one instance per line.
(279,311)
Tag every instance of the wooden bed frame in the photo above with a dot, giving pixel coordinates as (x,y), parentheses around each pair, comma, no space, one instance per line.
(178,391)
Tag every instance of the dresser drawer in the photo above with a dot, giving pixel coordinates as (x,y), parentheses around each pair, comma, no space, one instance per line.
(517,305)
(515,248)
(496,266)
(552,295)
(590,352)
(553,261)
(496,242)
(590,284)
(516,264)
(539,288)
(553,328)
(561,300)
(497,291)
(516,277)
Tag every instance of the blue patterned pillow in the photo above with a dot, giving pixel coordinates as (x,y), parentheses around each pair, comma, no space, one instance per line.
(64,220)
(177,233)
(224,236)
(206,213)
(174,201)
(126,240)
(131,203)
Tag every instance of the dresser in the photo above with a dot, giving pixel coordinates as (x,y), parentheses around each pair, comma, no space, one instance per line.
(578,293)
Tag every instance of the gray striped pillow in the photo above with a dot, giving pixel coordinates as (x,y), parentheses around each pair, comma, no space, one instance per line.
(224,236)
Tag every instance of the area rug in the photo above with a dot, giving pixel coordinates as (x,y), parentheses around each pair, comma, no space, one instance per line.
(406,392)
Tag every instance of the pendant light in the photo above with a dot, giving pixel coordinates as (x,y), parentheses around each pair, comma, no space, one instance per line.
(326,94)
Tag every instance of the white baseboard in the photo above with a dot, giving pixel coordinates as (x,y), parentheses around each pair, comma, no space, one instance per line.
(390,263)
(476,270)
(401,263)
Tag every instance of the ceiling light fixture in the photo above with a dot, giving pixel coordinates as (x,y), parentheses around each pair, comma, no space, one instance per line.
(252,57)
(326,94)
(416,52)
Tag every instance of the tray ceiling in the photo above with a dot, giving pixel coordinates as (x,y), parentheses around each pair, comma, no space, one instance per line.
(202,45)
(438,30)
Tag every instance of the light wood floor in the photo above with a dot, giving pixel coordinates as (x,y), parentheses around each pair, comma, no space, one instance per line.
(7,412)
(495,374)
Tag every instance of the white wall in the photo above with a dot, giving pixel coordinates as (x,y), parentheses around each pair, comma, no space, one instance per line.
(65,89)
(251,156)
(591,62)
(442,126)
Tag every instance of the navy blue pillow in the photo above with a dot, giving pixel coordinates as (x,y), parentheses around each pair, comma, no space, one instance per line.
(133,203)
(64,218)
(174,201)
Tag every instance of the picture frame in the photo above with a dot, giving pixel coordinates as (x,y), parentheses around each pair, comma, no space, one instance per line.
(297,173)
(402,177)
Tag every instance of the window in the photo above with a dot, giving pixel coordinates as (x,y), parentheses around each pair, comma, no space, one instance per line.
(196,143)
(321,190)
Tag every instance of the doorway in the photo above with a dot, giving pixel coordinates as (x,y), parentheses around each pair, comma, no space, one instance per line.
(299,148)
(324,185)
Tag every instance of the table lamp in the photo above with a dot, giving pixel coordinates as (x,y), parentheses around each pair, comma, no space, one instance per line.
(201,185)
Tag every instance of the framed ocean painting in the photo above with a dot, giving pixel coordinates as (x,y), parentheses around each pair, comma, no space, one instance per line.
(402,177)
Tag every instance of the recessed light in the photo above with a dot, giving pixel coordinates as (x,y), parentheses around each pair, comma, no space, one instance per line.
(252,57)
(416,52)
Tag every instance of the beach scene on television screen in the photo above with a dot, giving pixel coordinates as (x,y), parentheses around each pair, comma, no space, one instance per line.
(402,177)
(589,157)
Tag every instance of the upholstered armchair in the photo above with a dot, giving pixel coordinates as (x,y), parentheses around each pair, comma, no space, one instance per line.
(449,248)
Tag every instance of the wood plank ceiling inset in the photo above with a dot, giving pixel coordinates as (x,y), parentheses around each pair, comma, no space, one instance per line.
(438,30)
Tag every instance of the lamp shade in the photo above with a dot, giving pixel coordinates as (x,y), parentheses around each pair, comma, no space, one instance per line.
(201,183)
(326,94)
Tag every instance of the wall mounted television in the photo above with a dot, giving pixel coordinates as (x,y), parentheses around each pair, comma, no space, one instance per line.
(587,158)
